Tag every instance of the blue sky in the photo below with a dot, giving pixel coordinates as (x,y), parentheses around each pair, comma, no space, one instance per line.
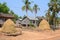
(16,6)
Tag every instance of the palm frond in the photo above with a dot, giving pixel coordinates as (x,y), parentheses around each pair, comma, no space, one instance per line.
(33,8)
(38,8)
(24,8)
(30,9)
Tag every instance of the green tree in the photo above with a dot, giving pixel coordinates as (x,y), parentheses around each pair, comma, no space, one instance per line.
(20,17)
(4,8)
(54,7)
(11,12)
(26,7)
(48,15)
(15,15)
(35,9)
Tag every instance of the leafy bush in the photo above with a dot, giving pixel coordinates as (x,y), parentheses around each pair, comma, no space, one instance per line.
(31,24)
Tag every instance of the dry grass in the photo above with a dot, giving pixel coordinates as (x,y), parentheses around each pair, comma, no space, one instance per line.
(9,28)
(44,25)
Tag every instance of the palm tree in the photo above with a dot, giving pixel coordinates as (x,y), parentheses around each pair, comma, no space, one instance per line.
(54,7)
(48,15)
(35,9)
(26,7)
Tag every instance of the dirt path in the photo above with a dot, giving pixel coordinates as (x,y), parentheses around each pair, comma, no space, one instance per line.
(38,36)
(29,35)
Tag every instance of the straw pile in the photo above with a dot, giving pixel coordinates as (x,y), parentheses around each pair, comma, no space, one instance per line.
(44,25)
(9,27)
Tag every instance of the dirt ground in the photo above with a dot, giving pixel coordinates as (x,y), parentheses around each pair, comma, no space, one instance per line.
(34,35)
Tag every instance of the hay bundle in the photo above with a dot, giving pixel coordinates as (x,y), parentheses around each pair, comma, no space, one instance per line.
(9,27)
(44,25)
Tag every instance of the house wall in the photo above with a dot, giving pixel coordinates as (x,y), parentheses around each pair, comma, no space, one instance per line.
(33,22)
(18,22)
(2,20)
(25,21)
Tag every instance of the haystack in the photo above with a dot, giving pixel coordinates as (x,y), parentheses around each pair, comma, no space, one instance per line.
(9,27)
(44,25)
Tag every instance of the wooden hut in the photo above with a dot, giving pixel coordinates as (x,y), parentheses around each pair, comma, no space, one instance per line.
(4,17)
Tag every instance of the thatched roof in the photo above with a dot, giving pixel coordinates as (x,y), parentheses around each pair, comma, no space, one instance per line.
(6,15)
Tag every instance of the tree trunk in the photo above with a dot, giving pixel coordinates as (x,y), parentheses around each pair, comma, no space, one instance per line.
(48,19)
(26,13)
(53,20)
(35,21)
(26,16)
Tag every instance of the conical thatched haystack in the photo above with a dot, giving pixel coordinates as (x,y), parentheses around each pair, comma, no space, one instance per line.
(44,25)
(9,27)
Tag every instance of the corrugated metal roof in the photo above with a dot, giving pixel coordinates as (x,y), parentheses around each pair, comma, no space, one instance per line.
(33,18)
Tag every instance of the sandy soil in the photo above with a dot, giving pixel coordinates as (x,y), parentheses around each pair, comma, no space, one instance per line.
(34,35)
